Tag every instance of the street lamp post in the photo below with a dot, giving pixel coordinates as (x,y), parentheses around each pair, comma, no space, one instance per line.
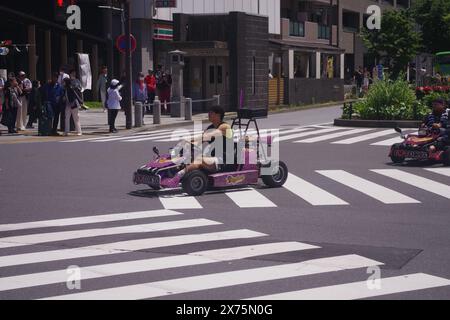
(128,66)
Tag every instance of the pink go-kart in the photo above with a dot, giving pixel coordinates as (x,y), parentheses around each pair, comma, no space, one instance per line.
(245,172)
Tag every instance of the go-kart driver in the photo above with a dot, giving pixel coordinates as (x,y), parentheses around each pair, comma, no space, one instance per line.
(218,128)
(438,120)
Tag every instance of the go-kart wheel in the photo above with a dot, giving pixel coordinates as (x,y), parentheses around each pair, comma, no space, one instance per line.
(155,188)
(396,159)
(278,177)
(195,183)
(446,157)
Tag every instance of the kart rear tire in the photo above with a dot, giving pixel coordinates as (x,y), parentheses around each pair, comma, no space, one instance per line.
(396,160)
(195,183)
(279,176)
(446,157)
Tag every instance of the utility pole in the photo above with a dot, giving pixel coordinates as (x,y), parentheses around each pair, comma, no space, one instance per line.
(128,68)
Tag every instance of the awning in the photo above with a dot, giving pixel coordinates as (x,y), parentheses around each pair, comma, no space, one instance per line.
(306,46)
(202,48)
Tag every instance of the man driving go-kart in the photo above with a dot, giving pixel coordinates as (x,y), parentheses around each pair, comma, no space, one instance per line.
(218,129)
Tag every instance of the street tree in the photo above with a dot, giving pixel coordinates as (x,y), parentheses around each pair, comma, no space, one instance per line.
(433,16)
(396,43)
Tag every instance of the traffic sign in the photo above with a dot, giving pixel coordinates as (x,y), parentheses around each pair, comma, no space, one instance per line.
(122,43)
(4,51)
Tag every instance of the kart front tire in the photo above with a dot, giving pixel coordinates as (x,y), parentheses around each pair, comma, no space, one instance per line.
(279,176)
(195,183)
(396,160)
(446,157)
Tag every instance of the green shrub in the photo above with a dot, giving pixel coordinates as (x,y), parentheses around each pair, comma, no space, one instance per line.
(428,99)
(93,104)
(390,100)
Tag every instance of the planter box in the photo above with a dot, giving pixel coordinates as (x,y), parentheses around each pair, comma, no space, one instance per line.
(377,123)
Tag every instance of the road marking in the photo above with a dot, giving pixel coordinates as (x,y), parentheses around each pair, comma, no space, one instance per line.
(129,267)
(333,136)
(360,290)
(124,246)
(366,187)
(422,183)
(179,202)
(366,137)
(250,199)
(390,142)
(311,193)
(225,279)
(113,138)
(306,134)
(442,171)
(89,220)
(148,136)
(174,136)
(39,238)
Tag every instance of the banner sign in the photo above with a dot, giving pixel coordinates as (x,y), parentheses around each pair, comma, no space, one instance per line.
(163,32)
(85,71)
(165,3)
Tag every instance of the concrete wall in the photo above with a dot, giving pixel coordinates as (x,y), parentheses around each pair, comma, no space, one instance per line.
(306,91)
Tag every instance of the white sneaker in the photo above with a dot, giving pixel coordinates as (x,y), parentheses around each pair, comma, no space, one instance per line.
(79,134)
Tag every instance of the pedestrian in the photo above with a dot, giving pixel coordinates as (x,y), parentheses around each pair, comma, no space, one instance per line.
(140,92)
(11,105)
(366,81)
(358,77)
(102,85)
(34,104)
(54,92)
(73,102)
(150,81)
(114,107)
(165,91)
(2,93)
(62,75)
(25,86)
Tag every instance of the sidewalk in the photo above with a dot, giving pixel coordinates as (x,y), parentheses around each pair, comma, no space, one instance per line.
(95,122)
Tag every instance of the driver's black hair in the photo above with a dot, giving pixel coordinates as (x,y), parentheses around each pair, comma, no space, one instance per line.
(218,110)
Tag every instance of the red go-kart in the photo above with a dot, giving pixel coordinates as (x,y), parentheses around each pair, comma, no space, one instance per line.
(427,145)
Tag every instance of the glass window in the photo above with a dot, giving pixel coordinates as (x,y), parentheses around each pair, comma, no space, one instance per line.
(211,75)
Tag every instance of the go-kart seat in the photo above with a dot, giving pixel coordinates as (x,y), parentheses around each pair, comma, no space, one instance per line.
(232,167)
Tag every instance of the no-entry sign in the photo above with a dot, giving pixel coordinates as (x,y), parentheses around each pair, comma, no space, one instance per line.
(122,43)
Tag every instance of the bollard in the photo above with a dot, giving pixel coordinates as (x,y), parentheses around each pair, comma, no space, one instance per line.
(157,111)
(188,111)
(138,109)
(216,101)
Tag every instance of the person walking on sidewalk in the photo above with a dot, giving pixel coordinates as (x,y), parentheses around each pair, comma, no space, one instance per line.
(102,85)
(12,104)
(140,92)
(34,104)
(114,99)
(150,81)
(25,86)
(73,101)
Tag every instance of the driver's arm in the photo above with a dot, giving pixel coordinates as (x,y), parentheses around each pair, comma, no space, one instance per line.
(221,131)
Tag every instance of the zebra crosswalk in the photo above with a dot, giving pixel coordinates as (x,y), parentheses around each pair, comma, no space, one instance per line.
(297,135)
(309,193)
(210,269)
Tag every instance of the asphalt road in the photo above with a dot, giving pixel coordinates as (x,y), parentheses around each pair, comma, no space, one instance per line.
(346,216)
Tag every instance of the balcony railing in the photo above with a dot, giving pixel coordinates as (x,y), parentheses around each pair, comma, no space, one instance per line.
(296,29)
(324,32)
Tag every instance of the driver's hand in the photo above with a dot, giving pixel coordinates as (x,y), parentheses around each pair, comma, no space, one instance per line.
(436,126)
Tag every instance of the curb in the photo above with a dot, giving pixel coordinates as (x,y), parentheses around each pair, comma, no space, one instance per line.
(307,107)
(377,123)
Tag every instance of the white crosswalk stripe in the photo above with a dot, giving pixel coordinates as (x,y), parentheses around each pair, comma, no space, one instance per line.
(361,290)
(441,171)
(88,220)
(369,188)
(419,182)
(333,136)
(179,202)
(129,267)
(392,141)
(250,199)
(366,137)
(18,241)
(311,193)
(306,134)
(199,261)
(123,246)
(225,279)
